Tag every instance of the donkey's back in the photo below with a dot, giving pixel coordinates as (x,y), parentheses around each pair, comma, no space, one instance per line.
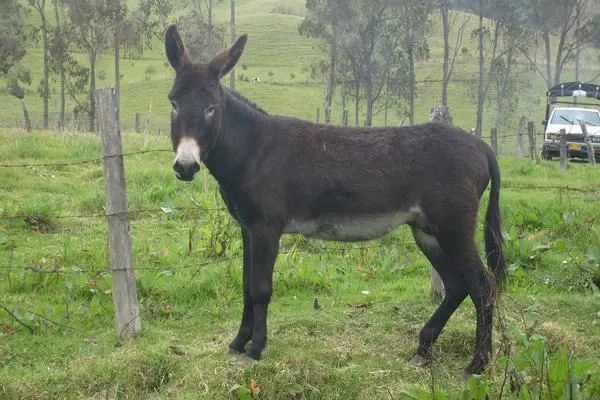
(361,183)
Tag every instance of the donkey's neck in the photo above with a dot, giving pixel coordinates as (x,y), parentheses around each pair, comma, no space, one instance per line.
(242,128)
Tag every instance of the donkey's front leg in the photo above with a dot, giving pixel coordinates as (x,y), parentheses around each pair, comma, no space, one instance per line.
(264,248)
(245,332)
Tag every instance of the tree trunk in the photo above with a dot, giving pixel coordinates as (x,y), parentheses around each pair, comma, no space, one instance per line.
(117,58)
(369,88)
(387,102)
(446,63)
(232,73)
(330,83)
(61,67)
(210,25)
(92,91)
(577,50)
(479,118)
(559,55)
(369,91)
(46,89)
(412,83)
(546,36)
(356,102)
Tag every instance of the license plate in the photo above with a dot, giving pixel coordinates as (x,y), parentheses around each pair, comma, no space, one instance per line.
(573,146)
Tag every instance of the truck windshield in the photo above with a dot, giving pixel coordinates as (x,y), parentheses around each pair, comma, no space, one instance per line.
(573,117)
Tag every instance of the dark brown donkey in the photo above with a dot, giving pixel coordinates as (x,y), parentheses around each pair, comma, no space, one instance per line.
(283,175)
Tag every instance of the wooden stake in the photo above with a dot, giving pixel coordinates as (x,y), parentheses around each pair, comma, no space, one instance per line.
(119,242)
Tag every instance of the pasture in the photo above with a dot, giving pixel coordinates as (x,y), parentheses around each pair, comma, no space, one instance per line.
(57,337)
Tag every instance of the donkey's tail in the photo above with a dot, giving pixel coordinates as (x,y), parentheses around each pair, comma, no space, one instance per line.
(494,240)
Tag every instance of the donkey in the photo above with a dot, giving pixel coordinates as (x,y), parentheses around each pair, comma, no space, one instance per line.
(280,175)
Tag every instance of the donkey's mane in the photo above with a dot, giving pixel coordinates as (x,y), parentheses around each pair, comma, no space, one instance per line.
(245,100)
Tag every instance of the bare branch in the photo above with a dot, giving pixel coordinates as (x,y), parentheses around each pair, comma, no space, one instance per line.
(533,63)
(459,39)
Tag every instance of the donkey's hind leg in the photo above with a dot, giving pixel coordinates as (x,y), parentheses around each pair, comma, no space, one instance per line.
(455,292)
(463,251)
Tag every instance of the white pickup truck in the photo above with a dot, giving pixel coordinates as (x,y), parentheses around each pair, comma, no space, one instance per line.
(568,118)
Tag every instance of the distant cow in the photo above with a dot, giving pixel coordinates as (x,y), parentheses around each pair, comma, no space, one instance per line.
(256,79)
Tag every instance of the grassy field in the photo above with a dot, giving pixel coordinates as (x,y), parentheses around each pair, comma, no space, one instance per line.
(59,340)
(279,55)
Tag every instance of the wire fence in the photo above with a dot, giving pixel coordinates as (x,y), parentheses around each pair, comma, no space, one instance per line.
(194,265)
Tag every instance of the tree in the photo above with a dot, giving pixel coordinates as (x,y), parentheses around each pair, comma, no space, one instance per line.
(73,77)
(414,30)
(148,22)
(14,86)
(12,35)
(233,37)
(499,38)
(560,18)
(93,22)
(120,12)
(449,23)
(480,33)
(360,40)
(322,21)
(40,7)
(505,69)
(203,39)
(57,54)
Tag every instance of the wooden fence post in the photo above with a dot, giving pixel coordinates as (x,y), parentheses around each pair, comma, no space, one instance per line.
(318,114)
(137,121)
(588,143)
(519,143)
(532,143)
(494,140)
(147,129)
(124,293)
(26,116)
(564,162)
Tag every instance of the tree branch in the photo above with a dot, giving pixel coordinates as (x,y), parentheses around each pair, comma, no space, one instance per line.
(29,328)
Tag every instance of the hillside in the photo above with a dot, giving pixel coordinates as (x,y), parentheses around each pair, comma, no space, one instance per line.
(278,55)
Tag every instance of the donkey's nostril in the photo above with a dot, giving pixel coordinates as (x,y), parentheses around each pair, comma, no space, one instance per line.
(185,171)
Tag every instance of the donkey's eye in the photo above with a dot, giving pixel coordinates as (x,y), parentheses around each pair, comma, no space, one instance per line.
(210,110)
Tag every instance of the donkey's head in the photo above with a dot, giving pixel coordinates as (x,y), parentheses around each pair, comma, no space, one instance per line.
(196,101)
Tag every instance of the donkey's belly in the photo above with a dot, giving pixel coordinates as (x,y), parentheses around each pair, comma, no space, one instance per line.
(353,228)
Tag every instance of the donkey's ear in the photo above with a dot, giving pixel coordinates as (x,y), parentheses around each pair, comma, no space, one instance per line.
(176,52)
(226,60)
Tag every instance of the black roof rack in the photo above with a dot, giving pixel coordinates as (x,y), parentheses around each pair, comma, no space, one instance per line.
(568,88)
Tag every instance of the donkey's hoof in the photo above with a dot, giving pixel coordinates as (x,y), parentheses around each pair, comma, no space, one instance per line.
(466,375)
(236,351)
(419,361)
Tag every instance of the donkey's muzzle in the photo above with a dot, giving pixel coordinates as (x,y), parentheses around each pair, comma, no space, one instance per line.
(185,171)
(187,160)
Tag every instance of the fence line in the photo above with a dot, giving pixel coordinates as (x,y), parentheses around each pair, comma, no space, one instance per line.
(199,210)
(130,212)
(88,161)
(106,269)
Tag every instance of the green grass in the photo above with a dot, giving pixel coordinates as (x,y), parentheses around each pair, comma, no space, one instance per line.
(189,287)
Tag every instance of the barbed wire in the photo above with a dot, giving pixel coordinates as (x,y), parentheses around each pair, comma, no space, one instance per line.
(200,210)
(312,250)
(80,162)
(135,212)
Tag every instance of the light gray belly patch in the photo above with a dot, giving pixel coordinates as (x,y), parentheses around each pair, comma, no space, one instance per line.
(354,228)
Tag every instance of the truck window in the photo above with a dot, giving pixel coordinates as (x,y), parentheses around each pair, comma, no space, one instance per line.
(562,116)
